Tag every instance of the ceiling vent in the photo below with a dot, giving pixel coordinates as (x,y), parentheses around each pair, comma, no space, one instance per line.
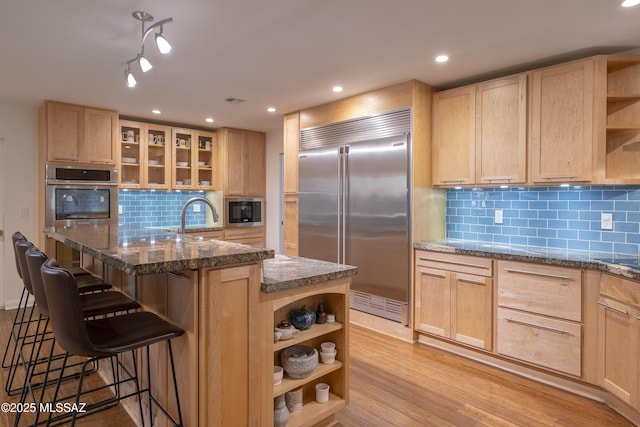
(232,100)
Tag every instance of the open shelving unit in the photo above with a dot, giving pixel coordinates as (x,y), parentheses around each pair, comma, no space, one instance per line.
(623,118)
(334,296)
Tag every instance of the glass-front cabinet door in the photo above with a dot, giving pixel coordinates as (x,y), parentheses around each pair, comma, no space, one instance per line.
(206,160)
(131,158)
(185,160)
(157,150)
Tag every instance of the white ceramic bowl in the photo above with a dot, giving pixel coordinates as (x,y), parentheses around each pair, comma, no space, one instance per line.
(205,183)
(202,163)
(182,164)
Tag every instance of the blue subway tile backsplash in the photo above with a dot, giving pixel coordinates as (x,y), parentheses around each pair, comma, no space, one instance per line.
(559,217)
(156,208)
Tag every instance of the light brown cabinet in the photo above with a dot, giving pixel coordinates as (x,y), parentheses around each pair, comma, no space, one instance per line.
(242,167)
(619,333)
(539,316)
(480,133)
(561,137)
(291,224)
(78,134)
(252,236)
(145,156)
(454,129)
(454,297)
(291,149)
(501,131)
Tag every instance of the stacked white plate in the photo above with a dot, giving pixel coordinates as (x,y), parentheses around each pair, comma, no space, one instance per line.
(129,160)
(182,164)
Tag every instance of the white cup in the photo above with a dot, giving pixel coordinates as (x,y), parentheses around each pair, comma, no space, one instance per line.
(327,347)
(322,392)
(328,358)
(331,318)
(278,373)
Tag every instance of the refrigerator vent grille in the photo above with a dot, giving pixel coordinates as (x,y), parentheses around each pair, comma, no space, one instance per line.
(367,128)
(378,306)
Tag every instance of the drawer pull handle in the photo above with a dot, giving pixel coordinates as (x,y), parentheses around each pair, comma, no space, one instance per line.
(429,273)
(534,273)
(477,282)
(533,325)
(610,307)
(559,177)
(175,274)
(455,263)
(452,181)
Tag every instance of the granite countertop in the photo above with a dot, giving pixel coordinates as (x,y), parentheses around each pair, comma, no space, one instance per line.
(622,265)
(286,272)
(148,251)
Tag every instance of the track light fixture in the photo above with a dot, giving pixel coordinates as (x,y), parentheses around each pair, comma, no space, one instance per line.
(163,45)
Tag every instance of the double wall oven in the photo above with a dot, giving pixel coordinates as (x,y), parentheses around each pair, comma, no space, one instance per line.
(76,195)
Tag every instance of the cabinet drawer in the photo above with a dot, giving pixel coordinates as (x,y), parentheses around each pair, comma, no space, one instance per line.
(551,343)
(454,262)
(541,289)
(627,291)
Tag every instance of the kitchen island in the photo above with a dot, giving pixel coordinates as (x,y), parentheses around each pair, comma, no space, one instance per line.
(227,297)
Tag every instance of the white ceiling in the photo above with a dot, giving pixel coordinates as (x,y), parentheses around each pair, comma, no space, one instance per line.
(285,53)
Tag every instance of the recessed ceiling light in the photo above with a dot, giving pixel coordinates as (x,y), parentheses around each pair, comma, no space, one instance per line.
(209,120)
(630,3)
(442,58)
(337,89)
(271,109)
(156,111)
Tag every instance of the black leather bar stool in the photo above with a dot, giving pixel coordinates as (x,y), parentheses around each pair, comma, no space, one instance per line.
(23,318)
(107,337)
(25,335)
(92,304)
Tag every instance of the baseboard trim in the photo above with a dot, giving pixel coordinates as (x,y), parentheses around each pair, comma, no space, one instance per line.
(381,325)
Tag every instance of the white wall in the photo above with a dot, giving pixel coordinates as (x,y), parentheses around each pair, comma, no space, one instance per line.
(19,129)
(274,147)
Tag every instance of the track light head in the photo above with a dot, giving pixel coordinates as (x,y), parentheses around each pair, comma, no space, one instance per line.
(129,79)
(163,45)
(145,65)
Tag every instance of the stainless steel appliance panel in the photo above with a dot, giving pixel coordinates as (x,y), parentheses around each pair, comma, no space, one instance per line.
(318,203)
(376,216)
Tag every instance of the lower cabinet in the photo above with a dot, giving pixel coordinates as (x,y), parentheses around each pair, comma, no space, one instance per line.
(252,236)
(540,315)
(619,328)
(453,297)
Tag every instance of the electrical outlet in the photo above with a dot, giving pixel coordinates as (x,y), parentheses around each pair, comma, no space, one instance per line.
(101,199)
(498,216)
(606,221)
(196,208)
(120,209)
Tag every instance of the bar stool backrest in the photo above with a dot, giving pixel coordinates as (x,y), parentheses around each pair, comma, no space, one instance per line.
(14,238)
(65,312)
(21,247)
(35,258)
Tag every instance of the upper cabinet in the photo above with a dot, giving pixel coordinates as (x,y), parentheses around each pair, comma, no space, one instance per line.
(622,148)
(501,131)
(73,133)
(291,148)
(242,167)
(480,133)
(561,139)
(454,129)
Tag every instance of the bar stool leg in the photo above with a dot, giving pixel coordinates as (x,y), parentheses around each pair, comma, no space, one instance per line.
(13,336)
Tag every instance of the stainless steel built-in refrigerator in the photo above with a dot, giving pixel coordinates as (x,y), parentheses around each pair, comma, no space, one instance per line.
(354,207)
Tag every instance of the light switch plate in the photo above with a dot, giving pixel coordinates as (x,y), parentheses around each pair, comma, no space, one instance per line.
(606,221)
(498,216)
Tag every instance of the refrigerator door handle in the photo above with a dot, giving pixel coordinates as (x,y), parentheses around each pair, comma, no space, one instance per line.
(345,198)
(340,203)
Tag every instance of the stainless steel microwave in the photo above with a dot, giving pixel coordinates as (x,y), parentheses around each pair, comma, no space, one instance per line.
(243,212)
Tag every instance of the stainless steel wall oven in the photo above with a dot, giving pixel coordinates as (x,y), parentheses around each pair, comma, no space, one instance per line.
(75,195)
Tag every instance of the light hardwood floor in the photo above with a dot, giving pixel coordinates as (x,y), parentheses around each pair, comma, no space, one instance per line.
(394,383)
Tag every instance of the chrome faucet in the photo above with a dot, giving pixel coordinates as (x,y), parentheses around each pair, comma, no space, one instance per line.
(183,214)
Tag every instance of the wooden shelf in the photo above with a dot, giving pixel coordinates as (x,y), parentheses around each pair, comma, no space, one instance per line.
(622,128)
(313,412)
(315,331)
(289,384)
(617,98)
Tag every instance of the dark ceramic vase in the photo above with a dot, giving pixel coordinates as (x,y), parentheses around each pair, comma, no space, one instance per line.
(302,318)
